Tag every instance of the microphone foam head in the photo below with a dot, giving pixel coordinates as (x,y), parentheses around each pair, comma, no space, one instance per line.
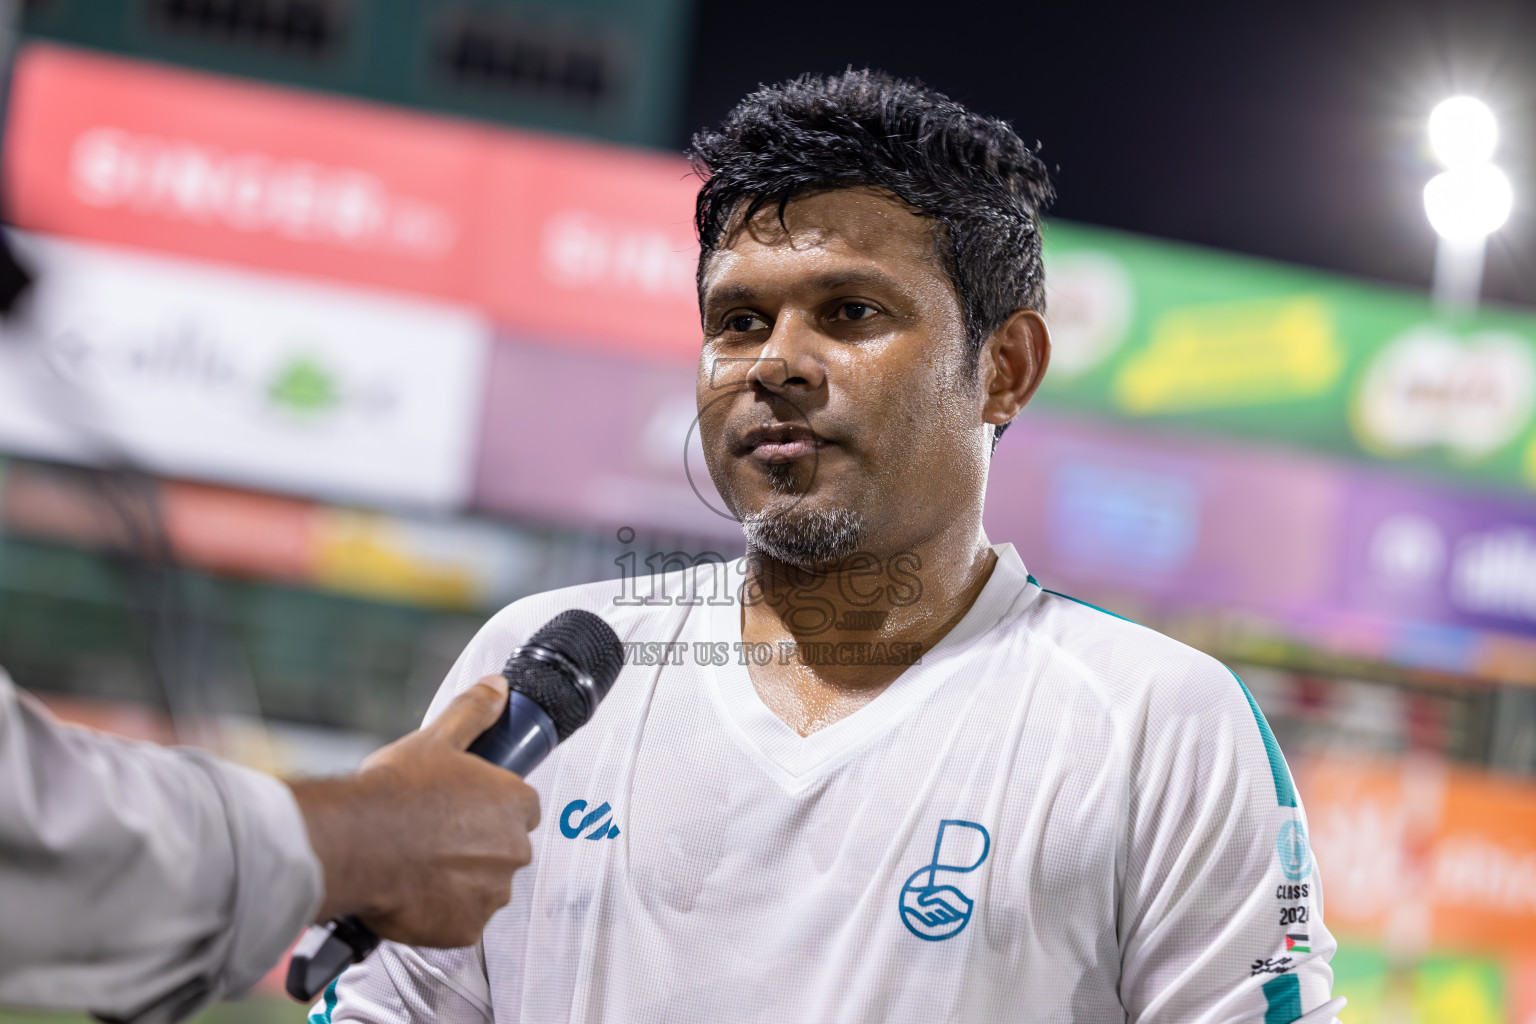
(588,642)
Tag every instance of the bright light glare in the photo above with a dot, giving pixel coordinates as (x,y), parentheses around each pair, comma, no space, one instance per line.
(1463,131)
(1467,204)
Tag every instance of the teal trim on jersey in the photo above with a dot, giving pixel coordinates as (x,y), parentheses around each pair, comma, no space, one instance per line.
(1282,999)
(319,1016)
(1085,604)
(1285,789)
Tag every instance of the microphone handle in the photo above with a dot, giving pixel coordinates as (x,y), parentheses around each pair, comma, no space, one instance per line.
(521,738)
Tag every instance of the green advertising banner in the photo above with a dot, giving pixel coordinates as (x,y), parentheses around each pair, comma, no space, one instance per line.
(1161,333)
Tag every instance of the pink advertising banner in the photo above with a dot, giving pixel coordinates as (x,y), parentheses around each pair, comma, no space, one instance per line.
(598,441)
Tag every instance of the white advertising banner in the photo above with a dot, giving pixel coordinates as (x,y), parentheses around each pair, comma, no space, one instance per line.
(192,370)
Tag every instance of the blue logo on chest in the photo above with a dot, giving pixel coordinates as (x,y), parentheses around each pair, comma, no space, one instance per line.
(932,905)
(595,824)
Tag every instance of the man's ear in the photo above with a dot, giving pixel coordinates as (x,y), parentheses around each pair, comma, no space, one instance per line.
(1013,362)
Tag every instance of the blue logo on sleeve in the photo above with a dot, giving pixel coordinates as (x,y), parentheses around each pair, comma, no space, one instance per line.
(596,824)
(1294,853)
(932,907)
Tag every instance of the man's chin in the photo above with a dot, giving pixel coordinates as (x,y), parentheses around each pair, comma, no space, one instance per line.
(802,534)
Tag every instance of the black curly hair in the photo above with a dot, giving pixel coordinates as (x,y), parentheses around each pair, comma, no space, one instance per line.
(981,185)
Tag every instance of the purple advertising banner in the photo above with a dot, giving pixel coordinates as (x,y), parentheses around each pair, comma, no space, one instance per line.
(605,442)
(1431,555)
(1168,518)
(595,441)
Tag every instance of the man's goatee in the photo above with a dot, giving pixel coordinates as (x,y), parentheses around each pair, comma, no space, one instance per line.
(808,538)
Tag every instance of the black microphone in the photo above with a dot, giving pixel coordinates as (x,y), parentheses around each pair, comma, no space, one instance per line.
(554,684)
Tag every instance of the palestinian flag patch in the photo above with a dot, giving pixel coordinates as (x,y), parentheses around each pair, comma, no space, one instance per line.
(1297,944)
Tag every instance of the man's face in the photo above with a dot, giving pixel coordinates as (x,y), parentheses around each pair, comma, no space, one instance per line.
(838,408)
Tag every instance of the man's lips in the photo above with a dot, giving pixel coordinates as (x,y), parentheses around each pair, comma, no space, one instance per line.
(780,442)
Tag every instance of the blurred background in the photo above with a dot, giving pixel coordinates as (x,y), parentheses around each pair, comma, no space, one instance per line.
(350,321)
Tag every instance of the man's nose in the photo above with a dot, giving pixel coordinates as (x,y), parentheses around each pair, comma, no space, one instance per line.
(791,357)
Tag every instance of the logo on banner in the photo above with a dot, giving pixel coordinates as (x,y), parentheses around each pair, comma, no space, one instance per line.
(212,373)
(1495,573)
(933,907)
(1430,388)
(1229,355)
(595,824)
(1294,852)
(580,249)
(1408,550)
(254,193)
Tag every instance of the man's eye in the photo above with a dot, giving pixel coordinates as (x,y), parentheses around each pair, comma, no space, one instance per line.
(742,323)
(856,311)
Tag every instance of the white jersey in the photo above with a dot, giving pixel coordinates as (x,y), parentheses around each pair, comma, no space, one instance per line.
(1055,815)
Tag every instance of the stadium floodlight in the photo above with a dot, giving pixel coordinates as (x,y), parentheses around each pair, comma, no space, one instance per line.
(1468,201)
(1463,131)
(1467,204)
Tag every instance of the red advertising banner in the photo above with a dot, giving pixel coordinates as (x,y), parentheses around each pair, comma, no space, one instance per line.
(121,151)
(592,242)
(589,243)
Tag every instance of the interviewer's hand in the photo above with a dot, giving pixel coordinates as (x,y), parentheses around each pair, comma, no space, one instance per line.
(422,842)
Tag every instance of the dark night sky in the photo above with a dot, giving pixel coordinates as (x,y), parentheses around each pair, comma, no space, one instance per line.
(1292,131)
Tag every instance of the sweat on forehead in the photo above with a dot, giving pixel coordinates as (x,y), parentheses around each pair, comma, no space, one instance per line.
(859,222)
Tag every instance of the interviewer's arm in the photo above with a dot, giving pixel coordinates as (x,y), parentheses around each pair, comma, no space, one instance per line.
(129,872)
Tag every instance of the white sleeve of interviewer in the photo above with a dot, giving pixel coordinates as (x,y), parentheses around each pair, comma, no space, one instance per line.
(137,878)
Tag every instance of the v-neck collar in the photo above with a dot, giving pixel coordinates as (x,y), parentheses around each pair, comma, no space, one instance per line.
(797,760)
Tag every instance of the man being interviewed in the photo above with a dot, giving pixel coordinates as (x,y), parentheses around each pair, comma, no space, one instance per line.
(876,771)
